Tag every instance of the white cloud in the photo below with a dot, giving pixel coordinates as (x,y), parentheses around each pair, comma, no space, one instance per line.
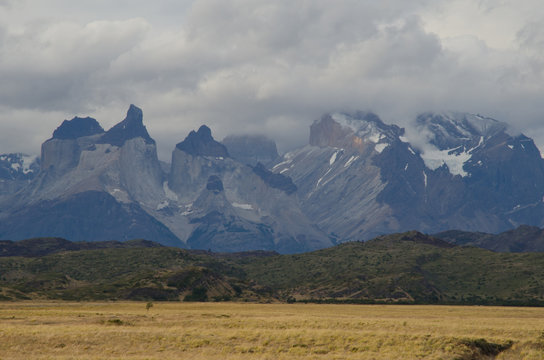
(262,66)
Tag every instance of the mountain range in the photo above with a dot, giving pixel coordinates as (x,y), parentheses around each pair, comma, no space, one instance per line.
(356,179)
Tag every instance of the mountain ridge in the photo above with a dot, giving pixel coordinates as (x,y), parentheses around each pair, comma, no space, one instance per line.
(358,178)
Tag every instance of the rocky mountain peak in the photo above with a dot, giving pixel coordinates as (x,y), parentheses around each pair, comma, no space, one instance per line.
(251,149)
(77,127)
(205,132)
(131,127)
(358,130)
(202,143)
(464,142)
(448,130)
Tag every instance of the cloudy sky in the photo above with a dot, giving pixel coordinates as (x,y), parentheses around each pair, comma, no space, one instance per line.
(252,66)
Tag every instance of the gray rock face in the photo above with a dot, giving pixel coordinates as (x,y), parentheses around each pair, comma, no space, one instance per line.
(105,186)
(269,215)
(219,227)
(86,216)
(251,149)
(360,177)
(89,189)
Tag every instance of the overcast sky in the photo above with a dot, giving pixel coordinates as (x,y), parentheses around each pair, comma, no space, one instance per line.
(251,66)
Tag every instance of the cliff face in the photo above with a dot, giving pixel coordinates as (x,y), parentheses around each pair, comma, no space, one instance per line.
(266,215)
(110,185)
(62,151)
(358,178)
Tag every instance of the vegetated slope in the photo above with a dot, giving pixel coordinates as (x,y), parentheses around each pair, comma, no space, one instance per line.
(46,246)
(136,273)
(409,268)
(525,238)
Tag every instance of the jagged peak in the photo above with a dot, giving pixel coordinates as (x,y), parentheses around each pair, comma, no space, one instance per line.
(77,127)
(131,127)
(202,143)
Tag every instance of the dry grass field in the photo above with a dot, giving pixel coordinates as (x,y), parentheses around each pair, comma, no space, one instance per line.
(126,330)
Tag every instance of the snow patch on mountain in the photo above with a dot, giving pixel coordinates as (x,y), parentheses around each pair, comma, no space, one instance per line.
(333,158)
(168,192)
(450,138)
(435,158)
(162,205)
(28,160)
(380,147)
(288,161)
(321,178)
(120,195)
(242,206)
(350,161)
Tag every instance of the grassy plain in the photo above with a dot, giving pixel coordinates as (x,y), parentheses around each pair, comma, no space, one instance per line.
(61,330)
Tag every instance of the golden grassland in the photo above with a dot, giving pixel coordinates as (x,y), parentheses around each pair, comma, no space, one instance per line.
(126,330)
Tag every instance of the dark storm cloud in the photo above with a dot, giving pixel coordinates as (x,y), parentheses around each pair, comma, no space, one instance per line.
(264,66)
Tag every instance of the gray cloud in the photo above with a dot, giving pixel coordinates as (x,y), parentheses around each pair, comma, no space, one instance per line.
(264,67)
